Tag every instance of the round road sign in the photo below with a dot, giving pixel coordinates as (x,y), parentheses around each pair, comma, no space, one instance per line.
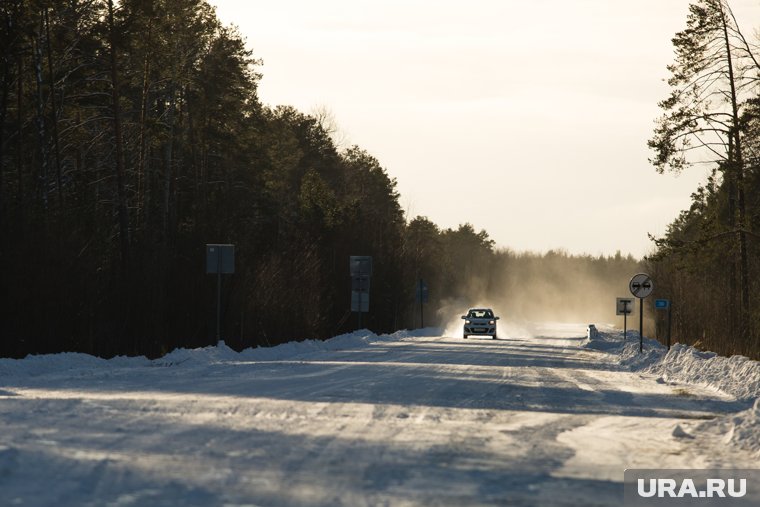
(641,285)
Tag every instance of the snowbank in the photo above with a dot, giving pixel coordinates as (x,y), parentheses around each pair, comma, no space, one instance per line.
(68,363)
(737,376)
(33,366)
(740,430)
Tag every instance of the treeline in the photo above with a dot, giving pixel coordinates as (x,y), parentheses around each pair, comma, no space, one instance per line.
(131,135)
(707,262)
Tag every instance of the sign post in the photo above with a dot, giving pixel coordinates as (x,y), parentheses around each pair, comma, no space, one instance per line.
(641,286)
(360,267)
(624,307)
(665,304)
(220,259)
(422,297)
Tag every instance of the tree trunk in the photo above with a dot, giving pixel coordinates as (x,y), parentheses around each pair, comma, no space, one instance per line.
(40,122)
(120,183)
(168,161)
(3,112)
(143,180)
(733,280)
(737,167)
(20,142)
(745,330)
(54,113)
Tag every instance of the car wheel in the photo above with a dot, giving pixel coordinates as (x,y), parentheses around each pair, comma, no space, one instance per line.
(464,336)
(494,337)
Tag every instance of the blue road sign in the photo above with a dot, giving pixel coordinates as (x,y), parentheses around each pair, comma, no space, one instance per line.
(422,292)
(360,265)
(220,259)
(662,304)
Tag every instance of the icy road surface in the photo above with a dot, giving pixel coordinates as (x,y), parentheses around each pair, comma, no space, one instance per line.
(402,420)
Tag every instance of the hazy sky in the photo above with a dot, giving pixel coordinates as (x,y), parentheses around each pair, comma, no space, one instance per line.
(526,118)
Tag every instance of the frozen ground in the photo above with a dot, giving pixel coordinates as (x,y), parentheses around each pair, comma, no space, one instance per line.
(531,419)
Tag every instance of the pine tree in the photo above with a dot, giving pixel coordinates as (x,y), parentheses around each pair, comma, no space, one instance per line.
(709,87)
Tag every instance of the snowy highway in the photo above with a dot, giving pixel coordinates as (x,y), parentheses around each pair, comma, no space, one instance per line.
(531,419)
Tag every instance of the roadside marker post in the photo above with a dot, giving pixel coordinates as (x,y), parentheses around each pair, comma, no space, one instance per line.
(641,286)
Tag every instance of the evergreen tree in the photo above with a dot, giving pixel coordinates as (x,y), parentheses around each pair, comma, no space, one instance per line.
(710,87)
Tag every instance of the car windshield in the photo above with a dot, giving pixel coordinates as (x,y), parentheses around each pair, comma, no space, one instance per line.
(481,314)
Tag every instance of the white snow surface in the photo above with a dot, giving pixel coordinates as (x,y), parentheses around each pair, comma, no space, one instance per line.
(737,376)
(411,418)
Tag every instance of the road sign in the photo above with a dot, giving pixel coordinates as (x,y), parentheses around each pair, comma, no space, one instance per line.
(220,259)
(360,265)
(624,306)
(422,297)
(422,292)
(359,301)
(662,304)
(641,285)
(360,283)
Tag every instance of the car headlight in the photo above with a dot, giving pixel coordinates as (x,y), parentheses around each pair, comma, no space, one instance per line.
(467,322)
(492,322)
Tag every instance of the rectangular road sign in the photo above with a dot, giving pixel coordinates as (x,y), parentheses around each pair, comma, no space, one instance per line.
(360,265)
(360,283)
(662,304)
(220,259)
(624,306)
(359,301)
(423,294)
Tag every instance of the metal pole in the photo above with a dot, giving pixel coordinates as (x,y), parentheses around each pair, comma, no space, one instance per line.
(641,325)
(422,319)
(360,308)
(670,314)
(625,321)
(218,303)
(656,326)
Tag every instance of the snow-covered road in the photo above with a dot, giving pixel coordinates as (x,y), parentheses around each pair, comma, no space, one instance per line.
(395,420)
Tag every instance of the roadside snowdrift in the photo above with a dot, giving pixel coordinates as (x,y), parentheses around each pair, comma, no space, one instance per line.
(737,376)
(741,430)
(33,366)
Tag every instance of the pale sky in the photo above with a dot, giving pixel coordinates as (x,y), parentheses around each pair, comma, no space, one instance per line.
(525,118)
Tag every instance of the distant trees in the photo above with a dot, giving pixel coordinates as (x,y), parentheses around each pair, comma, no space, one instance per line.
(557,286)
(709,118)
(463,268)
